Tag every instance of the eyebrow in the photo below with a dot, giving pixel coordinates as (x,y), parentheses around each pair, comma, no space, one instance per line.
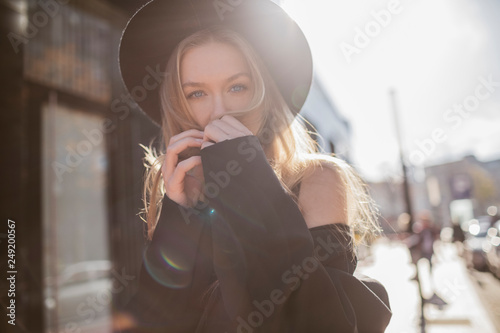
(231,78)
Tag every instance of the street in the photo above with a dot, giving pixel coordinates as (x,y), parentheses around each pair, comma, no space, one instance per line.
(473,298)
(488,289)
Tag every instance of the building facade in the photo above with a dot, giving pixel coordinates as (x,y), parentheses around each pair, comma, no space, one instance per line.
(453,192)
(324,116)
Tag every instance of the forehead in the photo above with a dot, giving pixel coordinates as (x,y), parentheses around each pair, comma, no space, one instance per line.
(212,61)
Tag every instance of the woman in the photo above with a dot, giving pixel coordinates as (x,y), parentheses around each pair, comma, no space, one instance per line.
(249,228)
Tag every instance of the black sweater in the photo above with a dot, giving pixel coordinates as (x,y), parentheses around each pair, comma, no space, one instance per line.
(274,274)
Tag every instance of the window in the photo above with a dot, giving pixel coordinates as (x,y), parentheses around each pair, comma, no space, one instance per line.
(71,53)
(77,279)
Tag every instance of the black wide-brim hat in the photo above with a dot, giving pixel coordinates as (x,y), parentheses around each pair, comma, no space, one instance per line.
(155,30)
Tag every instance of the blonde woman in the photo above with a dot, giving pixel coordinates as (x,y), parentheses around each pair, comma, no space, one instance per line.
(250,229)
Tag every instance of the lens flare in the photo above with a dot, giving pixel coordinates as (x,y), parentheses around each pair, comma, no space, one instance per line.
(168,270)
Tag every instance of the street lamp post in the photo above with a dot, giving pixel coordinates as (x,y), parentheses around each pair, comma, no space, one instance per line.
(406,187)
(406,192)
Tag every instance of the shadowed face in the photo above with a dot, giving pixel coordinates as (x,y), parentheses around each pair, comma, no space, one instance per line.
(216,79)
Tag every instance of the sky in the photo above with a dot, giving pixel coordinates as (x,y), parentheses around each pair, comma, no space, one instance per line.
(439,57)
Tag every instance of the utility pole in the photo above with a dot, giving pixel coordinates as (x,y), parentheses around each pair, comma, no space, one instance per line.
(406,187)
(406,190)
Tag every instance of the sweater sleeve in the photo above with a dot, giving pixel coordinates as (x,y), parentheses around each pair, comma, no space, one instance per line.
(368,297)
(169,283)
(264,255)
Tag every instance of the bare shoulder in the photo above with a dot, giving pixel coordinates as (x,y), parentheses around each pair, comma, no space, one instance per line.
(323,195)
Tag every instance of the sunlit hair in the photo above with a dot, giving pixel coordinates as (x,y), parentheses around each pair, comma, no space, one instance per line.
(290,150)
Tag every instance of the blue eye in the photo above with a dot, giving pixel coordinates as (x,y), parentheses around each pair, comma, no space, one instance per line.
(238,88)
(196,94)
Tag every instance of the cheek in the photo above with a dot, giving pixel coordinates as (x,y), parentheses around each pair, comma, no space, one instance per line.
(201,112)
(238,102)
(252,120)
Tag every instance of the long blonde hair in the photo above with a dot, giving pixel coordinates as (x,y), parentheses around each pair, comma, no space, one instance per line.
(290,150)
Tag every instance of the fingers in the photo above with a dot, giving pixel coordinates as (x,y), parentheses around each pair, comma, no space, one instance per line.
(176,181)
(189,133)
(236,124)
(224,129)
(173,151)
(206,144)
(215,133)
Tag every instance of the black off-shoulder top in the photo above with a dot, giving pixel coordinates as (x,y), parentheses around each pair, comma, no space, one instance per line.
(246,261)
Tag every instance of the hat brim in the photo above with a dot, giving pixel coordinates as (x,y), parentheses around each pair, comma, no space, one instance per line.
(157,28)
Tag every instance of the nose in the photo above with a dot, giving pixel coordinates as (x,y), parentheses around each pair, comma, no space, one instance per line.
(219,107)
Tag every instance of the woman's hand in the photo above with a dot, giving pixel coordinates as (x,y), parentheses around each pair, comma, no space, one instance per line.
(183,180)
(224,128)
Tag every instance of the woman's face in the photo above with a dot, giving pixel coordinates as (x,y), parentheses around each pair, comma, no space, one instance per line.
(216,79)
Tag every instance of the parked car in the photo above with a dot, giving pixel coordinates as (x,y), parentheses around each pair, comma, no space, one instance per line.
(475,244)
(493,249)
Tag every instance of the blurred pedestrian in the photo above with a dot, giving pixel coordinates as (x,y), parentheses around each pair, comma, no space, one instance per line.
(421,246)
(426,233)
(458,235)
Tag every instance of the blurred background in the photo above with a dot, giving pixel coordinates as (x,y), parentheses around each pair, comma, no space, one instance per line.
(407,92)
